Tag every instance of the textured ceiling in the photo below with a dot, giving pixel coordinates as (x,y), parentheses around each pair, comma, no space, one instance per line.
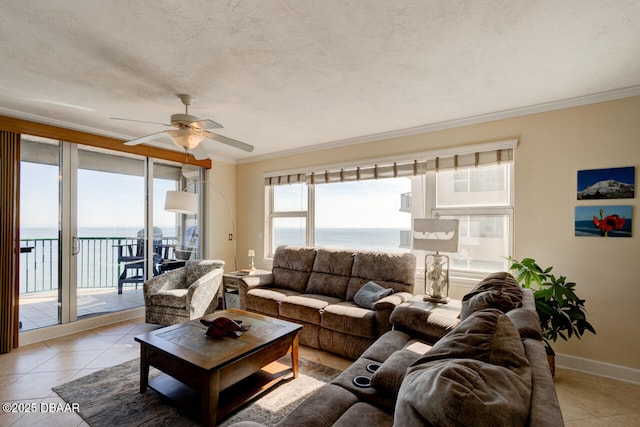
(287,75)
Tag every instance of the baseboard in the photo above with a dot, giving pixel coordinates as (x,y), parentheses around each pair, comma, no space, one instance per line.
(56,331)
(601,369)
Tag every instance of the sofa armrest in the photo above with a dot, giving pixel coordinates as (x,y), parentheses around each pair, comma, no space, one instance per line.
(251,282)
(426,321)
(385,306)
(390,302)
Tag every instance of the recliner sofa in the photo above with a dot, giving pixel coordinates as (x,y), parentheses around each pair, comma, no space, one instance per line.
(318,288)
(485,367)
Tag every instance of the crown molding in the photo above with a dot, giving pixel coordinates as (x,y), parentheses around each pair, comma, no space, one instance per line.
(449,124)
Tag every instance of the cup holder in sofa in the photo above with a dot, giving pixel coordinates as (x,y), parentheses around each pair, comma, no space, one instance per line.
(373,367)
(362,381)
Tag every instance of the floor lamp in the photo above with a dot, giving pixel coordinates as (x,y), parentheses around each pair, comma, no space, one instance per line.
(436,235)
(187,203)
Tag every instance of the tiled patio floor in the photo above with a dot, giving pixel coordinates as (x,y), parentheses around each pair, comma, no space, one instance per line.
(40,309)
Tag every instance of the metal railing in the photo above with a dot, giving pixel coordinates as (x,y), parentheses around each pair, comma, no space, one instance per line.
(98,265)
(405,202)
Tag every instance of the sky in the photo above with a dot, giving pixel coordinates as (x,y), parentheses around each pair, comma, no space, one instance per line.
(356,204)
(104,199)
(589,177)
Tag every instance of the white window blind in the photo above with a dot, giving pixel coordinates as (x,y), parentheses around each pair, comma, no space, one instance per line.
(394,169)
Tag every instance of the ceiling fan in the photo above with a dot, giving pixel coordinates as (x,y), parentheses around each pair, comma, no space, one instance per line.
(190,131)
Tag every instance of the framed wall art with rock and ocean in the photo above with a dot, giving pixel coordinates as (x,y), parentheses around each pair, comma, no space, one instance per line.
(603,221)
(612,183)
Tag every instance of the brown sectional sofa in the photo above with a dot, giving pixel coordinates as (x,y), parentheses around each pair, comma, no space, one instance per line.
(316,287)
(485,367)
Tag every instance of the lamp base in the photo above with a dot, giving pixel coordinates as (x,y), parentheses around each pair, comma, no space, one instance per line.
(437,300)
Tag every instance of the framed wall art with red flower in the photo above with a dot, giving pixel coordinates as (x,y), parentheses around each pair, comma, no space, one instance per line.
(603,221)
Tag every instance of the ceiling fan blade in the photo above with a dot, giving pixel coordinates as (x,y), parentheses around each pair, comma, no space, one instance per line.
(207,124)
(140,121)
(229,141)
(199,152)
(144,138)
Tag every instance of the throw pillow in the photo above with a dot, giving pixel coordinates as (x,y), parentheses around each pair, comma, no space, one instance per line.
(370,293)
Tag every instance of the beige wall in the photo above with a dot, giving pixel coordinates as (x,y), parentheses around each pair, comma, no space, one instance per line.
(553,146)
(221,186)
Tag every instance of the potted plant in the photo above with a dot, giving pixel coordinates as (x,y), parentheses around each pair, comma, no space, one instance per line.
(561,311)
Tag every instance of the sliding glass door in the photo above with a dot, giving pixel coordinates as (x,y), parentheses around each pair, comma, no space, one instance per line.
(94,228)
(111,260)
(40,195)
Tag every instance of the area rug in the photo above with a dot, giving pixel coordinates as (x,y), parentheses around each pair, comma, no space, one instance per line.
(111,397)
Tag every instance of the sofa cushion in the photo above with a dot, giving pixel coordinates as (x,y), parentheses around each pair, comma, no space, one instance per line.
(457,392)
(305,307)
(267,300)
(292,267)
(486,335)
(349,318)
(419,317)
(388,378)
(170,298)
(383,347)
(331,272)
(526,322)
(469,376)
(369,294)
(389,270)
(498,290)
(322,408)
(364,414)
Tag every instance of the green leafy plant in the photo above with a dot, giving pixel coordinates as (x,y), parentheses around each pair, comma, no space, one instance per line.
(562,313)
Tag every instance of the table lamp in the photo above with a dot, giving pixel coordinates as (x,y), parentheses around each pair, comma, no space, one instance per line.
(436,235)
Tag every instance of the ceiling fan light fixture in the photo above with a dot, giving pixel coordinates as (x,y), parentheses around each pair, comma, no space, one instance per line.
(185,138)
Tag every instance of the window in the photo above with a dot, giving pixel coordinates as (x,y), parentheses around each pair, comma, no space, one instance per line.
(288,219)
(480,198)
(362,214)
(373,207)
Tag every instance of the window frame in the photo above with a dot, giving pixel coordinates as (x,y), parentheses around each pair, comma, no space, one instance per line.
(272,214)
(507,210)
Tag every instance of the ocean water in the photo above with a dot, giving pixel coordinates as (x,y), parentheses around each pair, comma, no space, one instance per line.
(378,239)
(586,228)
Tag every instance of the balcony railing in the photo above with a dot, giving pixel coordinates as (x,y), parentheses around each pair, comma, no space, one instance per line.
(98,265)
(405,202)
(406,239)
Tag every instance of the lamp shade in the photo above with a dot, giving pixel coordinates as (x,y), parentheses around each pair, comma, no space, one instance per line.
(435,234)
(185,138)
(181,202)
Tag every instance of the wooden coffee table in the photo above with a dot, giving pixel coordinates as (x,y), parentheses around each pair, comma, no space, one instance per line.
(224,372)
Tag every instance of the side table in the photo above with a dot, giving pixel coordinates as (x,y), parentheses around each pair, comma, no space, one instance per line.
(230,282)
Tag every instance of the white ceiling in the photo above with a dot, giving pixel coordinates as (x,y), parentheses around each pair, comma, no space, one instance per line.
(287,75)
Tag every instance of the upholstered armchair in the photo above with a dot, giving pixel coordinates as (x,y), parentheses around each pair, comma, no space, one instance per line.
(185,293)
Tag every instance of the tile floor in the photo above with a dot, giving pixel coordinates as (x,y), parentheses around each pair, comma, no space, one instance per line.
(28,373)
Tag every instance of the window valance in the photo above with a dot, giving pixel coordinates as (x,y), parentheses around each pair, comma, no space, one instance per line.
(385,169)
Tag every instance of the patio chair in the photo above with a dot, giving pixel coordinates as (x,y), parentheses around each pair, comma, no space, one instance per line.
(131,257)
(185,293)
